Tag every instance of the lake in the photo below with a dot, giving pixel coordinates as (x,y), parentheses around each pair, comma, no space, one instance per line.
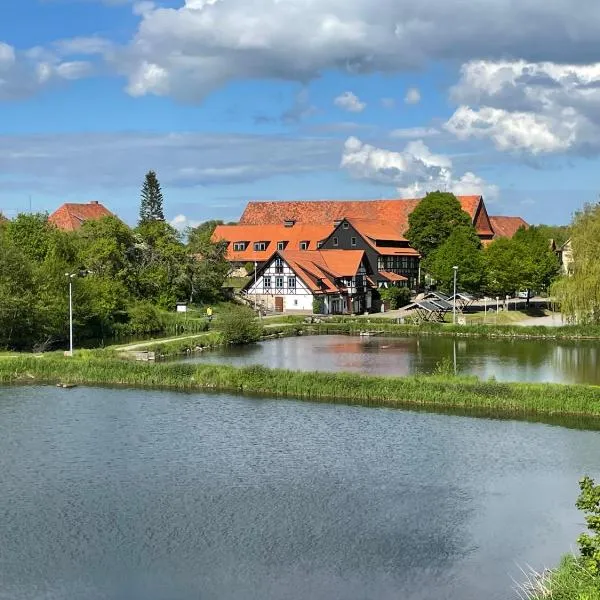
(506,360)
(148,495)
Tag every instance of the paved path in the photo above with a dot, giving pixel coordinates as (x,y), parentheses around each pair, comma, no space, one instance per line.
(139,345)
(553,320)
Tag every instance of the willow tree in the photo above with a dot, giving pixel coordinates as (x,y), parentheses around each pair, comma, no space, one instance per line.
(578,293)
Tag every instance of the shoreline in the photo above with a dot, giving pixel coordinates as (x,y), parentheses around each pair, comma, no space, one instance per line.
(568,405)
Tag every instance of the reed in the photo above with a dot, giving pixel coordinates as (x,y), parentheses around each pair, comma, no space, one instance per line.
(466,395)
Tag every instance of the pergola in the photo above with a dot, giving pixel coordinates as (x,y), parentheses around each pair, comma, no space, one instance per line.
(462,300)
(432,311)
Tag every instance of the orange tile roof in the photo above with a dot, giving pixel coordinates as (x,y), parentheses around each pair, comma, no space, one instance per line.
(506,227)
(271,234)
(393,276)
(71,216)
(378,230)
(325,211)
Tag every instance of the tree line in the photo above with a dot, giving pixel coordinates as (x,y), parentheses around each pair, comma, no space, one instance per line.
(445,237)
(124,277)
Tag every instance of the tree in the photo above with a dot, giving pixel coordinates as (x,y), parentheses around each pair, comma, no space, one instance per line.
(462,249)
(579,293)
(396,297)
(503,268)
(239,325)
(151,206)
(32,233)
(433,220)
(200,237)
(589,543)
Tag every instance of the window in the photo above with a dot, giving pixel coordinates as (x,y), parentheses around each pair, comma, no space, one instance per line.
(345,225)
(266,282)
(303,245)
(258,246)
(291,282)
(335,241)
(319,244)
(295,302)
(289,222)
(280,245)
(239,246)
(278,265)
(353,241)
(380,263)
(278,282)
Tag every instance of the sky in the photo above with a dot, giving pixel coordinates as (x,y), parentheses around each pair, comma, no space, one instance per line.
(238,100)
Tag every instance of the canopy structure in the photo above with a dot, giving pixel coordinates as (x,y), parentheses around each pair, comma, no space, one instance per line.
(430,310)
(462,300)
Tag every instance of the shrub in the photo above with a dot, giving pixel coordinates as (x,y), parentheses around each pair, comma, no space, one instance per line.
(239,325)
(144,317)
(318,307)
(396,297)
(589,543)
(249,267)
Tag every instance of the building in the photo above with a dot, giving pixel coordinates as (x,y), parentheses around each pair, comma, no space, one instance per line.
(293,280)
(506,227)
(565,255)
(71,216)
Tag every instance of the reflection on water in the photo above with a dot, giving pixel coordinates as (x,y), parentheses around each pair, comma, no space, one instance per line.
(147,495)
(506,360)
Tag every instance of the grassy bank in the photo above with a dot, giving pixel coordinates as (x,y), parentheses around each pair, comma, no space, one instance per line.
(490,331)
(437,392)
(570,581)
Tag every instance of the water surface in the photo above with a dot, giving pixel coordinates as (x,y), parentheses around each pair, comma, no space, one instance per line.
(137,495)
(506,360)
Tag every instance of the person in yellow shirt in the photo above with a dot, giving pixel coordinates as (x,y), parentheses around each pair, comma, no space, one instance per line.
(209,313)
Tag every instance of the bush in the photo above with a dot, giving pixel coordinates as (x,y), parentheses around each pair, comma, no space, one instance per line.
(239,325)
(249,267)
(144,317)
(396,297)
(318,307)
(589,544)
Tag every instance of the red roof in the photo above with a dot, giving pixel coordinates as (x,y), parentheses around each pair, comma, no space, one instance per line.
(325,211)
(270,234)
(506,227)
(71,216)
(392,276)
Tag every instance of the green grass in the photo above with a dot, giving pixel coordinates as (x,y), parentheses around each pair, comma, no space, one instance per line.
(237,283)
(465,395)
(569,581)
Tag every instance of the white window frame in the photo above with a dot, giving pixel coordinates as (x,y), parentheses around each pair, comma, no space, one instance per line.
(353,241)
(280,245)
(304,245)
(279,281)
(239,246)
(291,282)
(267,281)
(345,225)
(260,246)
(335,241)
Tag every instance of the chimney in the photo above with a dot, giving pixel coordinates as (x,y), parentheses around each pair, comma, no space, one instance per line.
(93,201)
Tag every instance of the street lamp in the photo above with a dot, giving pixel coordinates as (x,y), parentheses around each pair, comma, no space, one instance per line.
(71,276)
(455,268)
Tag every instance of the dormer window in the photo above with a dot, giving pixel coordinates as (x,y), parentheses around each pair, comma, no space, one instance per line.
(303,245)
(280,245)
(239,246)
(260,246)
(337,222)
(319,244)
(289,222)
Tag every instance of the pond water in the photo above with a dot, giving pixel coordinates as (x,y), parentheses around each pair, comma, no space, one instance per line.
(141,495)
(506,360)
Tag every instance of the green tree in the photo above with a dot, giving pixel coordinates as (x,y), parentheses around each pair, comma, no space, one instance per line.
(462,248)
(433,220)
(396,297)
(199,237)
(589,543)
(32,233)
(578,295)
(503,268)
(151,206)
(239,325)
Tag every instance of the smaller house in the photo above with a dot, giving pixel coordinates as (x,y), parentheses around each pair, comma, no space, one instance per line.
(71,216)
(565,255)
(292,280)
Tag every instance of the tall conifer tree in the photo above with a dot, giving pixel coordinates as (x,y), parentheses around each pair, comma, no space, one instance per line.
(151,206)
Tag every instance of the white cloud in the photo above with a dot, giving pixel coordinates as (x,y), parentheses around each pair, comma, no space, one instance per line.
(350,102)
(414,170)
(182,222)
(22,74)
(205,44)
(414,132)
(388,103)
(532,107)
(413,96)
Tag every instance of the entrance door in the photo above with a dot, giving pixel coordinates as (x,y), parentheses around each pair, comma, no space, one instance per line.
(278,303)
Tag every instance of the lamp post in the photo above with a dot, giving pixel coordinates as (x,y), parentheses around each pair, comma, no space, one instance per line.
(70,276)
(455,268)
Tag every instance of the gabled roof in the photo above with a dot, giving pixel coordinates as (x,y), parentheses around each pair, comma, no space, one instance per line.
(71,216)
(378,230)
(326,211)
(506,227)
(392,276)
(271,234)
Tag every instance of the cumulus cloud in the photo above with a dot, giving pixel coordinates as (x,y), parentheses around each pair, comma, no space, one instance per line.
(413,96)
(189,51)
(350,102)
(182,222)
(23,73)
(532,107)
(415,170)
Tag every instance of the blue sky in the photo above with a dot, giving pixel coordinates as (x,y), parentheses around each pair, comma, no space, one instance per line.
(233,100)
